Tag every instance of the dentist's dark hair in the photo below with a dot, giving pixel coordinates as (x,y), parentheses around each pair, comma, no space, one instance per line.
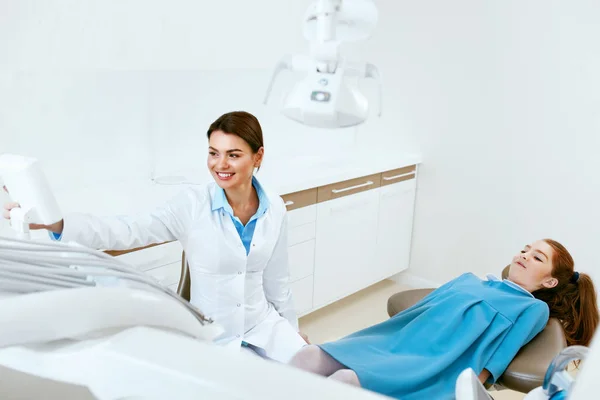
(573,300)
(242,124)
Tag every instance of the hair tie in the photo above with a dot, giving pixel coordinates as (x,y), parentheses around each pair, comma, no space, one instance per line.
(575,277)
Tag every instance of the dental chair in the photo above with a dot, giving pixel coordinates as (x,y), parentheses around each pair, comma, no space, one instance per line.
(527,370)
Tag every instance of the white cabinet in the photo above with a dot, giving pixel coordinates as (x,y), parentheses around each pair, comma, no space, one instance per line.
(302,291)
(345,245)
(301,260)
(302,219)
(394,233)
(302,216)
(301,242)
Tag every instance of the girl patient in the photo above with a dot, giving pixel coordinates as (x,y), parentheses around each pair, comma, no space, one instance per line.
(468,322)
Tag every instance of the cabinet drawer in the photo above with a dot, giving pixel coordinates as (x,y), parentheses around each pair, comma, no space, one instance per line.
(301,216)
(301,260)
(301,233)
(300,199)
(346,188)
(398,175)
(302,292)
(167,275)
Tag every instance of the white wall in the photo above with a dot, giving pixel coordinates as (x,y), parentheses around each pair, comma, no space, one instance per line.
(501,98)
(506,110)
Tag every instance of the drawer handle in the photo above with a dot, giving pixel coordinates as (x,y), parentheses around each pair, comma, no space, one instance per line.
(368,183)
(288,203)
(391,178)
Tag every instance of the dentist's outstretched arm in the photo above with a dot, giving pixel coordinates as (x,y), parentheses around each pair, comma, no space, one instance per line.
(165,223)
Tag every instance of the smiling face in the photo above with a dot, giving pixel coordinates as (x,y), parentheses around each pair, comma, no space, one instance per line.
(532,267)
(230,160)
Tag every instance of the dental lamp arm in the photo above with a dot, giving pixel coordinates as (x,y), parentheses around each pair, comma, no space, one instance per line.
(325,48)
(367,70)
(283,64)
(295,63)
(326,19)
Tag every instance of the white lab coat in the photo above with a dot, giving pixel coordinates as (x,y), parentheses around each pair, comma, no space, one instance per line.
(248,295)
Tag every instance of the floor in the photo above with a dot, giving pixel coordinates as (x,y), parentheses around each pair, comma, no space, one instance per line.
(359,311)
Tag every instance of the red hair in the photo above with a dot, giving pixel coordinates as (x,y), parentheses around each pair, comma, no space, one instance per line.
(573,300)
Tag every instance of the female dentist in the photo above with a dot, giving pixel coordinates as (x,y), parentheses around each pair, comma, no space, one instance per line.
(234,234)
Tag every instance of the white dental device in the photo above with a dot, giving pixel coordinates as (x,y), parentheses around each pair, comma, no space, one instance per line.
(27,185)
(329,96)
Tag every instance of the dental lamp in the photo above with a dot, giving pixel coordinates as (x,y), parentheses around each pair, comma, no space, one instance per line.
(328,96)
(26,184)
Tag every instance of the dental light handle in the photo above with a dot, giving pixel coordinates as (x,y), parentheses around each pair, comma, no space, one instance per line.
(27,185)
(367,70)
(284,63)
(19,223)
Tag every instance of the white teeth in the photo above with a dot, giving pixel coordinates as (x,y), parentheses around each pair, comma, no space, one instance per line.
(224,175)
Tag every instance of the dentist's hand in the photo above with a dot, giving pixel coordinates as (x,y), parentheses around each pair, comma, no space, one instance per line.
(56,227)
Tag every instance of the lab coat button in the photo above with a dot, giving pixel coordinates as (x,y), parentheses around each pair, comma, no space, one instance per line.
(239,272)
(239,305)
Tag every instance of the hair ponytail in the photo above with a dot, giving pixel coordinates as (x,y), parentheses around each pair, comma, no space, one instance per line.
(573,300)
